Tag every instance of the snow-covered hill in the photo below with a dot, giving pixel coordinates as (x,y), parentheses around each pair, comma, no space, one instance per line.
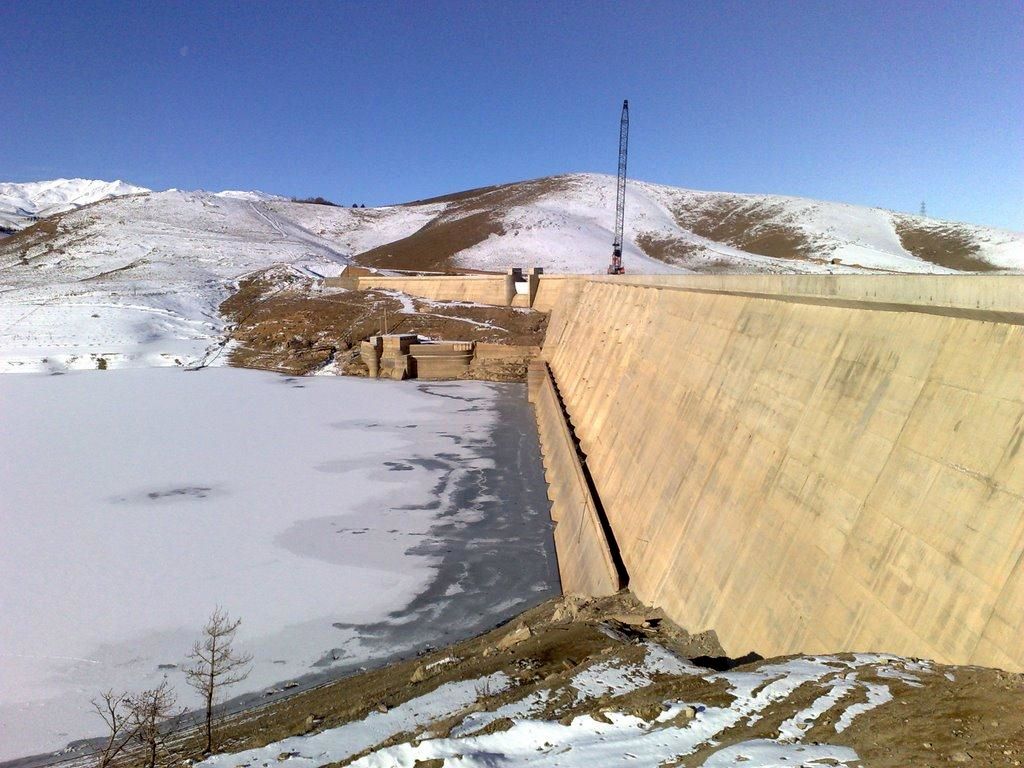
(564,224)
(23,204)
(137,280)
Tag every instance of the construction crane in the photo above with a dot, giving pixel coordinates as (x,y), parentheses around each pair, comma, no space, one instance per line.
(616,268)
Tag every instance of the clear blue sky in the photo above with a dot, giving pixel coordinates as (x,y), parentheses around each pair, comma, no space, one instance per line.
(875,103)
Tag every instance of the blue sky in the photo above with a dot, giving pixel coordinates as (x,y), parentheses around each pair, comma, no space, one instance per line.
(875,103)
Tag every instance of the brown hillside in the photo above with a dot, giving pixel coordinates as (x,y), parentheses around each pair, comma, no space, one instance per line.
(470,218)
(942,244)
(748,225)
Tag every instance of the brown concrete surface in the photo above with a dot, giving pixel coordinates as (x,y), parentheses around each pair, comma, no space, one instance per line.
(441,360)
(989,293)
(516,288)
(485,351)
(585,562)
(481,289)
(840,473)
(996,293)
(402,356)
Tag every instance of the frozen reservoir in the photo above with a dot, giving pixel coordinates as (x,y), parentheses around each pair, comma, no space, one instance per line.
(344,521)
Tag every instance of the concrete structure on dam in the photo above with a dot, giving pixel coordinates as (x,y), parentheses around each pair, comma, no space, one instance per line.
(803,464)
(516,288)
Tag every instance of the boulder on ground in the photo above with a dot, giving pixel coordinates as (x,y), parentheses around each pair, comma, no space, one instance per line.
(516,636)
(632,619)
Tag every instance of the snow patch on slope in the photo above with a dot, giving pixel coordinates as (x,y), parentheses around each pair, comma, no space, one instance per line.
(620,739)
(355,230)
(615,738)
(573,232)
(351,739)
(252,195)
(858,238)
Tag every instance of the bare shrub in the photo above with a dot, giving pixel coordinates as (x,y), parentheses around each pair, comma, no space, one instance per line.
(115,709)
(215,664)
(151,712)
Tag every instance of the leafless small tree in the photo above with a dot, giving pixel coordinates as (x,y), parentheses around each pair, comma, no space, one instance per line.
(215,664)
(115,709)
(151,711)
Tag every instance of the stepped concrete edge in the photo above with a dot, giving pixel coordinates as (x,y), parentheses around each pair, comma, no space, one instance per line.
(585,562)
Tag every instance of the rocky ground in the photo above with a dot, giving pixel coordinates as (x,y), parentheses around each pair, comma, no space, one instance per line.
(287,322)
(611,682)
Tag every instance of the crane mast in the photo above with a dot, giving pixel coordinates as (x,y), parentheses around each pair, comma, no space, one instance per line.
(616,268)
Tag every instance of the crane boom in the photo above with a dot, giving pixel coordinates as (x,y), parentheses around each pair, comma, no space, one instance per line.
(616,267)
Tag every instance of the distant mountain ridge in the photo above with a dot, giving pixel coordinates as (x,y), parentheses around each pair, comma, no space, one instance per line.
(21,204)
(563,223)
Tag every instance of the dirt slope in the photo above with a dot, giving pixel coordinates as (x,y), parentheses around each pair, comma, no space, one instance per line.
(285,321)
(613,676)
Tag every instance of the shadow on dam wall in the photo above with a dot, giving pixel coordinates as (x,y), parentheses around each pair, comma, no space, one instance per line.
(803,464)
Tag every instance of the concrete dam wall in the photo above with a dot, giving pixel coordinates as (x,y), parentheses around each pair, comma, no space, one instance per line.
(799,465)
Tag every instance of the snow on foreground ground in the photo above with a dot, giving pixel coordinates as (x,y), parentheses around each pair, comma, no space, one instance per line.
(530,731)
(343,520)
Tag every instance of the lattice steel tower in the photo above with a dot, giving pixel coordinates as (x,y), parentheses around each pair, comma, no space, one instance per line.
(616,268)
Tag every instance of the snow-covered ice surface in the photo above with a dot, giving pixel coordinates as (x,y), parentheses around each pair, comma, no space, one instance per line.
(345,521)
